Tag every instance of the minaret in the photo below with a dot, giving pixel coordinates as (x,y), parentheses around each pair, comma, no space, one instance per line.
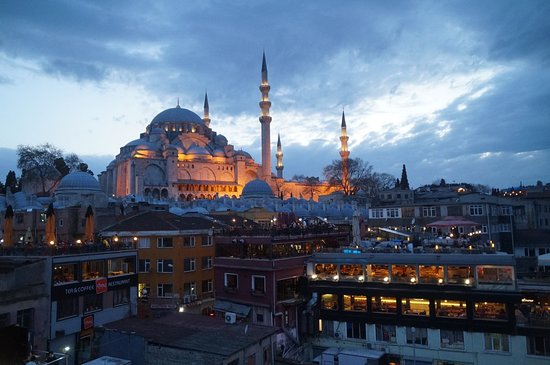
(206,117)
(279,155)
(265,121)
(344,153)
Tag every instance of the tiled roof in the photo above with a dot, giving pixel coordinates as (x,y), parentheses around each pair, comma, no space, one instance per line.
(162,221)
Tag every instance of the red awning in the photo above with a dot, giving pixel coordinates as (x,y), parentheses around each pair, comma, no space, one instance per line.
(452,222)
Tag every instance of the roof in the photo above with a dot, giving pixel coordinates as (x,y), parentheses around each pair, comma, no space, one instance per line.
(78,180)
(177,115)
(162,221)
(195,332)
(257,188)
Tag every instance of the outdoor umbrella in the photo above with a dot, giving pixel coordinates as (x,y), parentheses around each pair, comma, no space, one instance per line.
(89,235)
(8,227)
(50,224)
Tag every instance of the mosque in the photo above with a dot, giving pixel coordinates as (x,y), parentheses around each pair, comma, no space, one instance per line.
(180,157)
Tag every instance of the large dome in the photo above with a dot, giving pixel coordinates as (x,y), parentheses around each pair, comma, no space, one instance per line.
(176,115)
(257,188)
(78,180)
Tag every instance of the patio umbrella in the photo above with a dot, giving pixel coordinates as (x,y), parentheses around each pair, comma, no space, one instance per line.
(355,228)
(50,224)
(8,227)
(89,234)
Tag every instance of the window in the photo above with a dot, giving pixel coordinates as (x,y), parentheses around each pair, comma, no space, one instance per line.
(329,301)
(165,265)
(121,296)
(258,284)
(385,333)
(286,288)
(206,262)
(377,213)
(164,242)
(384,304)
(417,335)
(506,210)
(93,302)
(431,274)
(207,240)
(121,266)
(207,286)
(19,218)
(326,271)
(356,330)
(351,272)
(164,290)
(392,212)
(484,229)
(190,289)
(189,264)
(497,342)
(379,273)
(231,281)
(404,274)
(450,308)
(25,318)
(144,265)
(415,306)
(461,275)
(476,209)
(538,345)
(93,269)
(67,308)
(490,310)
(429,212)
(495,275)
(452,339)
(355,303)
(259,318)
(64,273)
(189,241)
(144,243)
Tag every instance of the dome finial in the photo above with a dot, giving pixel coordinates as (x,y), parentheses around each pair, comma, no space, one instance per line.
(178,106)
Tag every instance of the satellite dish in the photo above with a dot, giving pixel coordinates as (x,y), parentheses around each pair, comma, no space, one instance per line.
(413,221)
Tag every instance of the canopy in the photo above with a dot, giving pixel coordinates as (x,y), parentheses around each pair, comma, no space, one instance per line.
(452,222)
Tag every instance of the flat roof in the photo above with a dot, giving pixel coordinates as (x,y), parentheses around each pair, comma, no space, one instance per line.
(195,332)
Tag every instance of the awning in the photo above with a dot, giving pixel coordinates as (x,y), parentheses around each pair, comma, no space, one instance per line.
(225,306)
(544,260)
(395,232)
(452,222)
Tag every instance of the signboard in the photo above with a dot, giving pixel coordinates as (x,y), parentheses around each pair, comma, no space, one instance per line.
(97,286)
(87,322)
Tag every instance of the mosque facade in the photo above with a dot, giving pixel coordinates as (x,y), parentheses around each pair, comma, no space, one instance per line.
(180,157)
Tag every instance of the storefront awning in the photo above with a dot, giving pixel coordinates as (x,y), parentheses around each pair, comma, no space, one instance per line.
(225,306)
(453,222)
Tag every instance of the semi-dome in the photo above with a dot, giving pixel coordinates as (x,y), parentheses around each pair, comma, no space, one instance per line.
(177,115)
(197,150)
(78,180)
(257,188)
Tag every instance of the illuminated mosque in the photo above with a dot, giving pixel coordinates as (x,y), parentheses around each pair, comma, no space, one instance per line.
(180,157)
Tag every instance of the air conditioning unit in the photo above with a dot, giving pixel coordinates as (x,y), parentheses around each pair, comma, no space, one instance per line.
(230,317)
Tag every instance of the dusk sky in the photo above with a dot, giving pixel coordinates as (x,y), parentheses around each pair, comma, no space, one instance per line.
(458,90)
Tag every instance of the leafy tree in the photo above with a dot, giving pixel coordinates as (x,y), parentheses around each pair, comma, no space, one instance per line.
(11,182)
(45,163)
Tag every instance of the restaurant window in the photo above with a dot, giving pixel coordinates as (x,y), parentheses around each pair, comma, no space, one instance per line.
(356,330)
(326,271)
(415,306)
(431,274)
(385,333)
(164,242)
(25,318)
(418,336)
(476,209)
(189,241)
(490,310)
(461,275)
(538,345)
(495,275)
(356,303)
(351,272)
(144,265)
(93,269)
(379,273)
(329,301)
(206,262)
(144,242)
(67,308)
(497,342)
(258,284)
(404,274)
(450,308)
(64,273)
(165,265)
(452,339)
(384,304)
(121,266)
(207,286)
(231,281)
(164,290)
(121,296)
(93,302)
(189,264)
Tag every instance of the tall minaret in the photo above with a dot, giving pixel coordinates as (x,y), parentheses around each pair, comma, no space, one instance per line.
(206,118)
(279,155)
(344,153)
(265,120)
